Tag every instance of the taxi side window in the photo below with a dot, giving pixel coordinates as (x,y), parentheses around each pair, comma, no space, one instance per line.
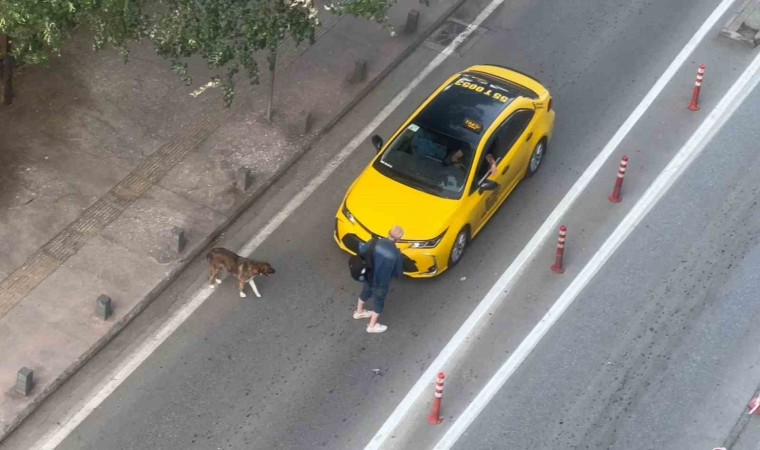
(502,141)
(491,149)
(511,130)
(483,166)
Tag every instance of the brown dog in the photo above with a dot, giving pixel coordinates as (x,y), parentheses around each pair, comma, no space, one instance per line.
(243,268)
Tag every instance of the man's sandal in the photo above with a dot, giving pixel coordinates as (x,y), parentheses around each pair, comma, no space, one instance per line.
(362,315)
(378,328)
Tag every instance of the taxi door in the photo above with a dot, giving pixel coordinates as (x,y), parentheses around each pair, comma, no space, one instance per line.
(480,201)
(515,143)
(510,145)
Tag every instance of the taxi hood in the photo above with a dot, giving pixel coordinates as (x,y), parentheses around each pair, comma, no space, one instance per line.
(379,203)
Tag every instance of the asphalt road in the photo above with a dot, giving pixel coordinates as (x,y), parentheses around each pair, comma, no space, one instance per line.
(660,350)
(294,370)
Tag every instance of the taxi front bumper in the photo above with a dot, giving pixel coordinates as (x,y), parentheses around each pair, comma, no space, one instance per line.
(418,263)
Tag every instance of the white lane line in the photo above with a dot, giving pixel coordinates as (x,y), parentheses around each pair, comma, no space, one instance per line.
(497,292)
(136,358)
(685,156)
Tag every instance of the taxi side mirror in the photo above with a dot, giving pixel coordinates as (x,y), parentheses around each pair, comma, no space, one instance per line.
(488,185)
(377,142)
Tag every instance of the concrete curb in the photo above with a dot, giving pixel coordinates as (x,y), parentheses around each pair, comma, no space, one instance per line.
(239,210)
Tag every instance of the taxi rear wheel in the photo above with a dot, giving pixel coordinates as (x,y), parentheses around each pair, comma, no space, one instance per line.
(536,158)
(459,247)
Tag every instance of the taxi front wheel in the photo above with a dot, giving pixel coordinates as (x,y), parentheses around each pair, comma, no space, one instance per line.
(460,244)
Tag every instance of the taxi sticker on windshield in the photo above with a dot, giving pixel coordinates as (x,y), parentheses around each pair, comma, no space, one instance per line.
(413,127)
(473,126)
(491,91)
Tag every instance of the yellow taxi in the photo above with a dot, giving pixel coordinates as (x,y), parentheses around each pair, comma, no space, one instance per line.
(449,167)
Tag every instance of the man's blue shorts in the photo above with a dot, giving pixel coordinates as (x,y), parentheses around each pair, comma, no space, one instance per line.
(377,293)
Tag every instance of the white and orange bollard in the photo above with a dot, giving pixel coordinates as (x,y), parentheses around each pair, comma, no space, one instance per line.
(615,196)
(435,416)
(694,105)
(754,406)
(559,256)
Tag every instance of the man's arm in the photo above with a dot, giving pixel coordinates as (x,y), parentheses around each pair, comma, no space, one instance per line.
(492,163)
(398,270)
(365,248)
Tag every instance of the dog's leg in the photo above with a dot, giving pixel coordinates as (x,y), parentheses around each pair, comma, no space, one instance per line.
(253,285)
(214,273)
(241,285)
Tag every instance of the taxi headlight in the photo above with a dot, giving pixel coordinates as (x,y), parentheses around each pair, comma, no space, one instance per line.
(348,214)
(427,244)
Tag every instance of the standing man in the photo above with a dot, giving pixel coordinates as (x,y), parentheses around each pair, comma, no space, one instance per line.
(386,264)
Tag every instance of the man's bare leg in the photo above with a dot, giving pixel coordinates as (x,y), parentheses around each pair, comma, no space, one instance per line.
(360,312)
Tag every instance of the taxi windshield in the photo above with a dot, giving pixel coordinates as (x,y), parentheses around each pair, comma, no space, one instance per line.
(428,160)
(435,152)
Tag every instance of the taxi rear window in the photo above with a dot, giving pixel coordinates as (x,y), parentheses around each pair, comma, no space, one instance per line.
(467,106)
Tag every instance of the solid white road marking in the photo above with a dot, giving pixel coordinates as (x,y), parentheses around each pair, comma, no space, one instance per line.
(693,147)
(53,438)
(497,292)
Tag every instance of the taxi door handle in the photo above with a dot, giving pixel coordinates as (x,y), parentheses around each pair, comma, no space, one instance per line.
(505,170)
(530,135)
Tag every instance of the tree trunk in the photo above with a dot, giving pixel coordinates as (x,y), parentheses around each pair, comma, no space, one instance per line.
(7,72)
(272,64)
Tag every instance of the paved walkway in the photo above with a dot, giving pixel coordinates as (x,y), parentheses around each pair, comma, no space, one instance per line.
(101,160)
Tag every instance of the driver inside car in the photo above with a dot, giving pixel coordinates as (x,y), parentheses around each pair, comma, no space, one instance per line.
(457,159)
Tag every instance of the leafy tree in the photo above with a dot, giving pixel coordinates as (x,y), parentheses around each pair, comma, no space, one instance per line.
(38,28)
(32,30)
(228,33)
(374,10)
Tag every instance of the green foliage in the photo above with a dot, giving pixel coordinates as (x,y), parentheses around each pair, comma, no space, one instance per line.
(116,22)
(374,10)
(227,33)
(38,28)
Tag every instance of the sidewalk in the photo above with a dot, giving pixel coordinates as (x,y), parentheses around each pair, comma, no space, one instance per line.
(101,160)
